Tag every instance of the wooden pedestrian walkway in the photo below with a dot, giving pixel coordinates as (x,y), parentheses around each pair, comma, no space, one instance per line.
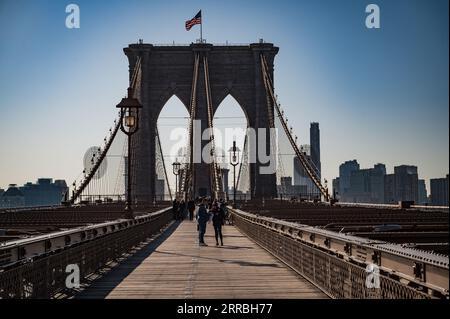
(176,267)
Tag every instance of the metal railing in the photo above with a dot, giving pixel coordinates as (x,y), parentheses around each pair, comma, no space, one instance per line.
(36,267)
(337,263)
(394,206)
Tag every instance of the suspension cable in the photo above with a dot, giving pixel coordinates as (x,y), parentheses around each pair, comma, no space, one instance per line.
(303,160)
(77,192)
(188,185)
(216,177)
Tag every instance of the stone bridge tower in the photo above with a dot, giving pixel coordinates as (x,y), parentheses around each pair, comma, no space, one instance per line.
(168,71)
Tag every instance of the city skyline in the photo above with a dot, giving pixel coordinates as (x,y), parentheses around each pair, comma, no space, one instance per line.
(379,95)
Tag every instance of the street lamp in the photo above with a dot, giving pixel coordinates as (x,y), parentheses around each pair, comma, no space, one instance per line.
(176,171)
(129,124)
(234,161)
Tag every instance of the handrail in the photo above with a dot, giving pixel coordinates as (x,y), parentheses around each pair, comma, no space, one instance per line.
(26,248)
(427,271)
(41,269)
(393,206)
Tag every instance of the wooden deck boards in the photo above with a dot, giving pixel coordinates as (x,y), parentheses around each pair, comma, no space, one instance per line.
(179,268)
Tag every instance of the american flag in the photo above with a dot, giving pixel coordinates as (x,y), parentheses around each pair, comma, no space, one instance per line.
(196,20)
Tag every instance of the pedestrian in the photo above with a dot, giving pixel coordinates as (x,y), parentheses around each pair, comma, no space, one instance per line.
(175,208)
(181,210)
(191,209)
(223,207)
(202,218)
(218,220)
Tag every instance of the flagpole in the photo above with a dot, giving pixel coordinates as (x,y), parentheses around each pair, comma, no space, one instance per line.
(201,31)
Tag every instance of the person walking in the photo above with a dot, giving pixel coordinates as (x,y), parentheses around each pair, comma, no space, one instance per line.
(202,218)
(181,210)
(218,219)
(223,207)
(175,208)
(191,209)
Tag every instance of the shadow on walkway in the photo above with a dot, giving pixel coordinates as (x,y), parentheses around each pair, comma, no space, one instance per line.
(239,262)
(119,272)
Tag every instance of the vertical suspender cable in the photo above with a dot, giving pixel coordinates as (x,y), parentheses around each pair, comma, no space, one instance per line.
(189,176)
(216,174)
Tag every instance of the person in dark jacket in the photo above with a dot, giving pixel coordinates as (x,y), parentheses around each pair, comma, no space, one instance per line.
(191,209)
(218,220)
(181,210)
(202,219)
(175,208)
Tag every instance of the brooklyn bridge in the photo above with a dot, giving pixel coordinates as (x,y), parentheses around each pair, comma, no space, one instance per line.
(116,229)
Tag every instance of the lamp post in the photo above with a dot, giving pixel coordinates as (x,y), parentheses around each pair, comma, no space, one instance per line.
(234,161)
(129,124)
(176,171)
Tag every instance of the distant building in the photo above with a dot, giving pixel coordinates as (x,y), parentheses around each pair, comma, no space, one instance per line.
(407,183)
(312,154)
(377,183)
(225,173)
(439,191)
(367,185)
(12,198)
(286,189)
(286,181)
(422,189)
(389,189)
(336,190)
(300,175)
(45,192)
(403,185)
(314,137)
(345,172)
(314,141)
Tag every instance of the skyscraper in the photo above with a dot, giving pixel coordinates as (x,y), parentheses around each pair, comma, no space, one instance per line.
(314,140)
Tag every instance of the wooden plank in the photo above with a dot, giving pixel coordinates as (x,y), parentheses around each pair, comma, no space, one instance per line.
(180,268)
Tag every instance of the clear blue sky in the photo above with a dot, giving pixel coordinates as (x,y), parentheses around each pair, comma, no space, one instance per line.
(379,95)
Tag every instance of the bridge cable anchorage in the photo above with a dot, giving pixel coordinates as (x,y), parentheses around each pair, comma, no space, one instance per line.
(217,184)
(97,161)
(187,183)
(268,83)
